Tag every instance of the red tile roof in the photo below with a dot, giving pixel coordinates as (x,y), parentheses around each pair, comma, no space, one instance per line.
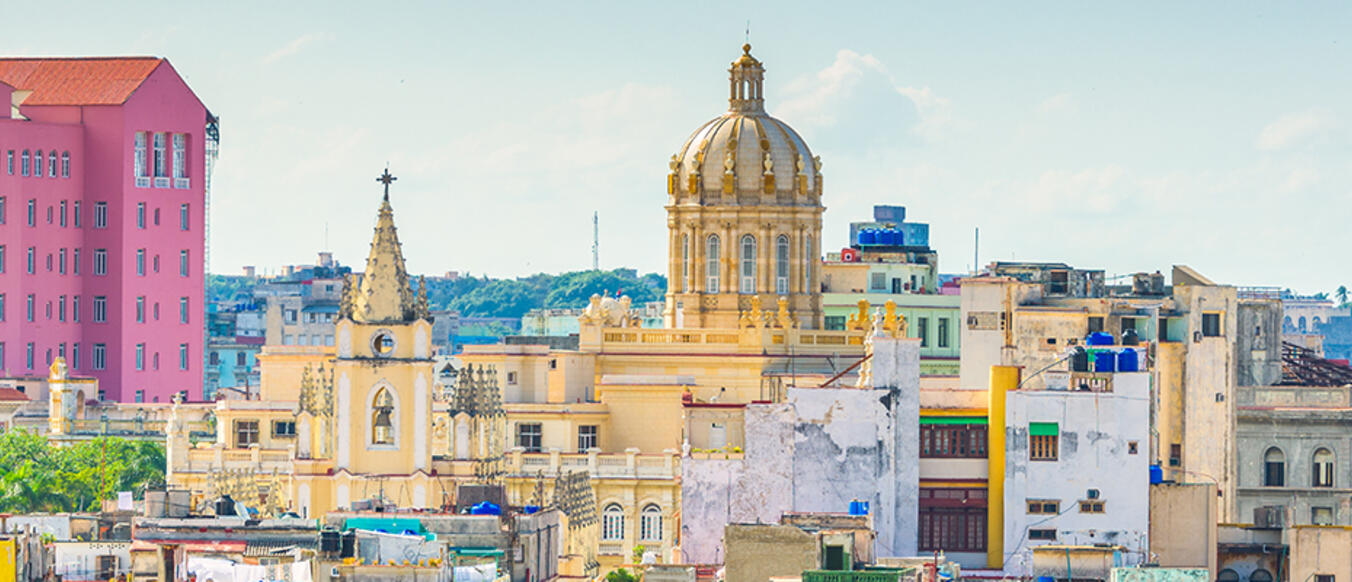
(12,395)
(77,81)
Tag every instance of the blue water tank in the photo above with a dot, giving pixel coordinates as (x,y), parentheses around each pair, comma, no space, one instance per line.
(1127,361)
(1156,474)
(867,236)
(485,508)
(1099,338)
(893,237)
(1105,361)
(858,507)
(529,509)
(901,237)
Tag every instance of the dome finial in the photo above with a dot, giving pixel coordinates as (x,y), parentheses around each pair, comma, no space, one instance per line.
(746,49)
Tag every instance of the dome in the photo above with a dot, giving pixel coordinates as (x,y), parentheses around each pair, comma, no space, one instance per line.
(745,155)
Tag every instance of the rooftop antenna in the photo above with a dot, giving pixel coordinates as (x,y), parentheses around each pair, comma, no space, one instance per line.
(748,31)
(976,248)
(596,241)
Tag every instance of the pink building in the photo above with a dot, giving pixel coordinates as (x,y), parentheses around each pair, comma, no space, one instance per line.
(102,238)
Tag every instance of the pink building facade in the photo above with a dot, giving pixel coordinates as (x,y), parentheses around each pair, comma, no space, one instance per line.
(102,224)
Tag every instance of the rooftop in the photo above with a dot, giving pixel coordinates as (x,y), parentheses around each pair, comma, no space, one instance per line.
(77,81)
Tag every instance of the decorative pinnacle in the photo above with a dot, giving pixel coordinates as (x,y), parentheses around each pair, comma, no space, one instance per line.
(385,179)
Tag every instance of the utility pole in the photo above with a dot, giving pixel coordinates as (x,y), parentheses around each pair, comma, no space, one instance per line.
(596,241)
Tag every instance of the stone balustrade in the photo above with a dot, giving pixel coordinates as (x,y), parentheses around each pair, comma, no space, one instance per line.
(630,464)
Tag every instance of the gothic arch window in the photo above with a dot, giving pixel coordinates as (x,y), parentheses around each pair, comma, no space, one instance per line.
(650,523)
(612,523)
(686,280)
(711,264)
(782,265)
(382,417)
(1322,474)
(1274,468)
(748,270)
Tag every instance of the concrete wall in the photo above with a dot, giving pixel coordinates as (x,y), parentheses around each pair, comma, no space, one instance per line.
(1183,526)
(1320,551)
(1209,391)
(1096,430)
(1258,342)
(757,552)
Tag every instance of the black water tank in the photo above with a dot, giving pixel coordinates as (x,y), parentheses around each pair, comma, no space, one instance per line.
(1079,360)
(330,541)
(349,546)
(1129,338)
(225,506)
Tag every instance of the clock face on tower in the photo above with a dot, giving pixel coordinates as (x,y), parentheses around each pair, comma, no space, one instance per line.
(382,343)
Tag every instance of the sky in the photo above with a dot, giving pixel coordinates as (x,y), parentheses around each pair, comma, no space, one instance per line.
(1127,138)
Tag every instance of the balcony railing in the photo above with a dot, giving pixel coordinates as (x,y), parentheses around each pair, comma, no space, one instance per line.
(142,181)
(118,427)
(256,458)
(161,182)
(182,183)
(629,464)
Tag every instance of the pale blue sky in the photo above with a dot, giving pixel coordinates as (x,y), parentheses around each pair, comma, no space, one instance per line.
(1125,138)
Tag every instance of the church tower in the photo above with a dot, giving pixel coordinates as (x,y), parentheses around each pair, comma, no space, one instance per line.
(383,370)
(744,215)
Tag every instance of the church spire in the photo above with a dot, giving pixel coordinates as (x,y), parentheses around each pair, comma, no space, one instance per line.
(384,294)
(746,79)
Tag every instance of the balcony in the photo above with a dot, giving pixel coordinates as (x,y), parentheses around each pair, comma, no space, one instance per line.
(142,181)
(253,458)
(627,465)
(182,183)
(161,182)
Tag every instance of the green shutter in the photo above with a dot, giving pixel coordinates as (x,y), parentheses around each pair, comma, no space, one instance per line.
(1042,429)
(952,420)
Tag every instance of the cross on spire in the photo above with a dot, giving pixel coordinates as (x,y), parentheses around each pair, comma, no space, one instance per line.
(385,179)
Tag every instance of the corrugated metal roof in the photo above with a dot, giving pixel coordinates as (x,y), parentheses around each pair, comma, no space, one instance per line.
(77,81)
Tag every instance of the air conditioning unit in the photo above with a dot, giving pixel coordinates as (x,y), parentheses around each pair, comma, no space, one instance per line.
(1092,494)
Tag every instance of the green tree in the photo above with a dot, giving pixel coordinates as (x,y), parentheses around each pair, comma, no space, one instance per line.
(1341,294)
(37,476)
(620,575)
(499,298)
(573,290)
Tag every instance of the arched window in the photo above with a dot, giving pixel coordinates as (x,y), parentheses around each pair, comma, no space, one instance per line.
(51,164)
(1227,575)
(1322,476)
(809,259)
(748,282)
(1315,324)
(65,164)
(382,418)
(25,162)
(685,264)
(782,265)
(711,265)
(612,523)
(37,164)
(1274,468)
(1260,575)
(1287,327)
(1300,324)
(650,523)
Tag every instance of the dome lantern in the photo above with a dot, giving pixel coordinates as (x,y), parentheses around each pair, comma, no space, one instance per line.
(746,81)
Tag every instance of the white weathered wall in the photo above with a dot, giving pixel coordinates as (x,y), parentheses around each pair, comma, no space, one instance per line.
(1093,454)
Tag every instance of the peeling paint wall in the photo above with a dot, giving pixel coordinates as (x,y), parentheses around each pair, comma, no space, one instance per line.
(1094,452)
(817,452)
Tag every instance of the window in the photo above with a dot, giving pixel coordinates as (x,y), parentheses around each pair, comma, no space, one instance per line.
(1322,473)
(650,524)
(183,310)
(140,356)
(62,216)
(283,428)
(65,164)
(834,323)
(156,222)
(1324,577)
(966,441)
(100,261)
(246,433)
(586,438)
(2,318)
(2,258)
(9,162)
(1044,507)
(529,436)
(239,358)
(75,309)
(511,378)
(748,270)
(61,308)
(32,212)
(1091,506)
(141,262)
(51,165)
(1211,324)
(1095,324)
(1132,447)
(952,529)
(612,523)
(75,359)
(2,355)
(1042,437)
(180,155)
(877,282)
(183,216)
(809,258)
(214,358)
(183,356)
(37,164)
(32,301)
(28,355)
(161,170)
(25,163)
(100,358)
(1321,515)
(140,215)
(686,283)
(61,261)
(2,209)
(139,157)
(140,396)
(101,309)
(1175,455)
(382,418)
(100,215)
(183,263)
(1274,468)
(1042,535)
(711,265)
(782,265)
(141,309)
